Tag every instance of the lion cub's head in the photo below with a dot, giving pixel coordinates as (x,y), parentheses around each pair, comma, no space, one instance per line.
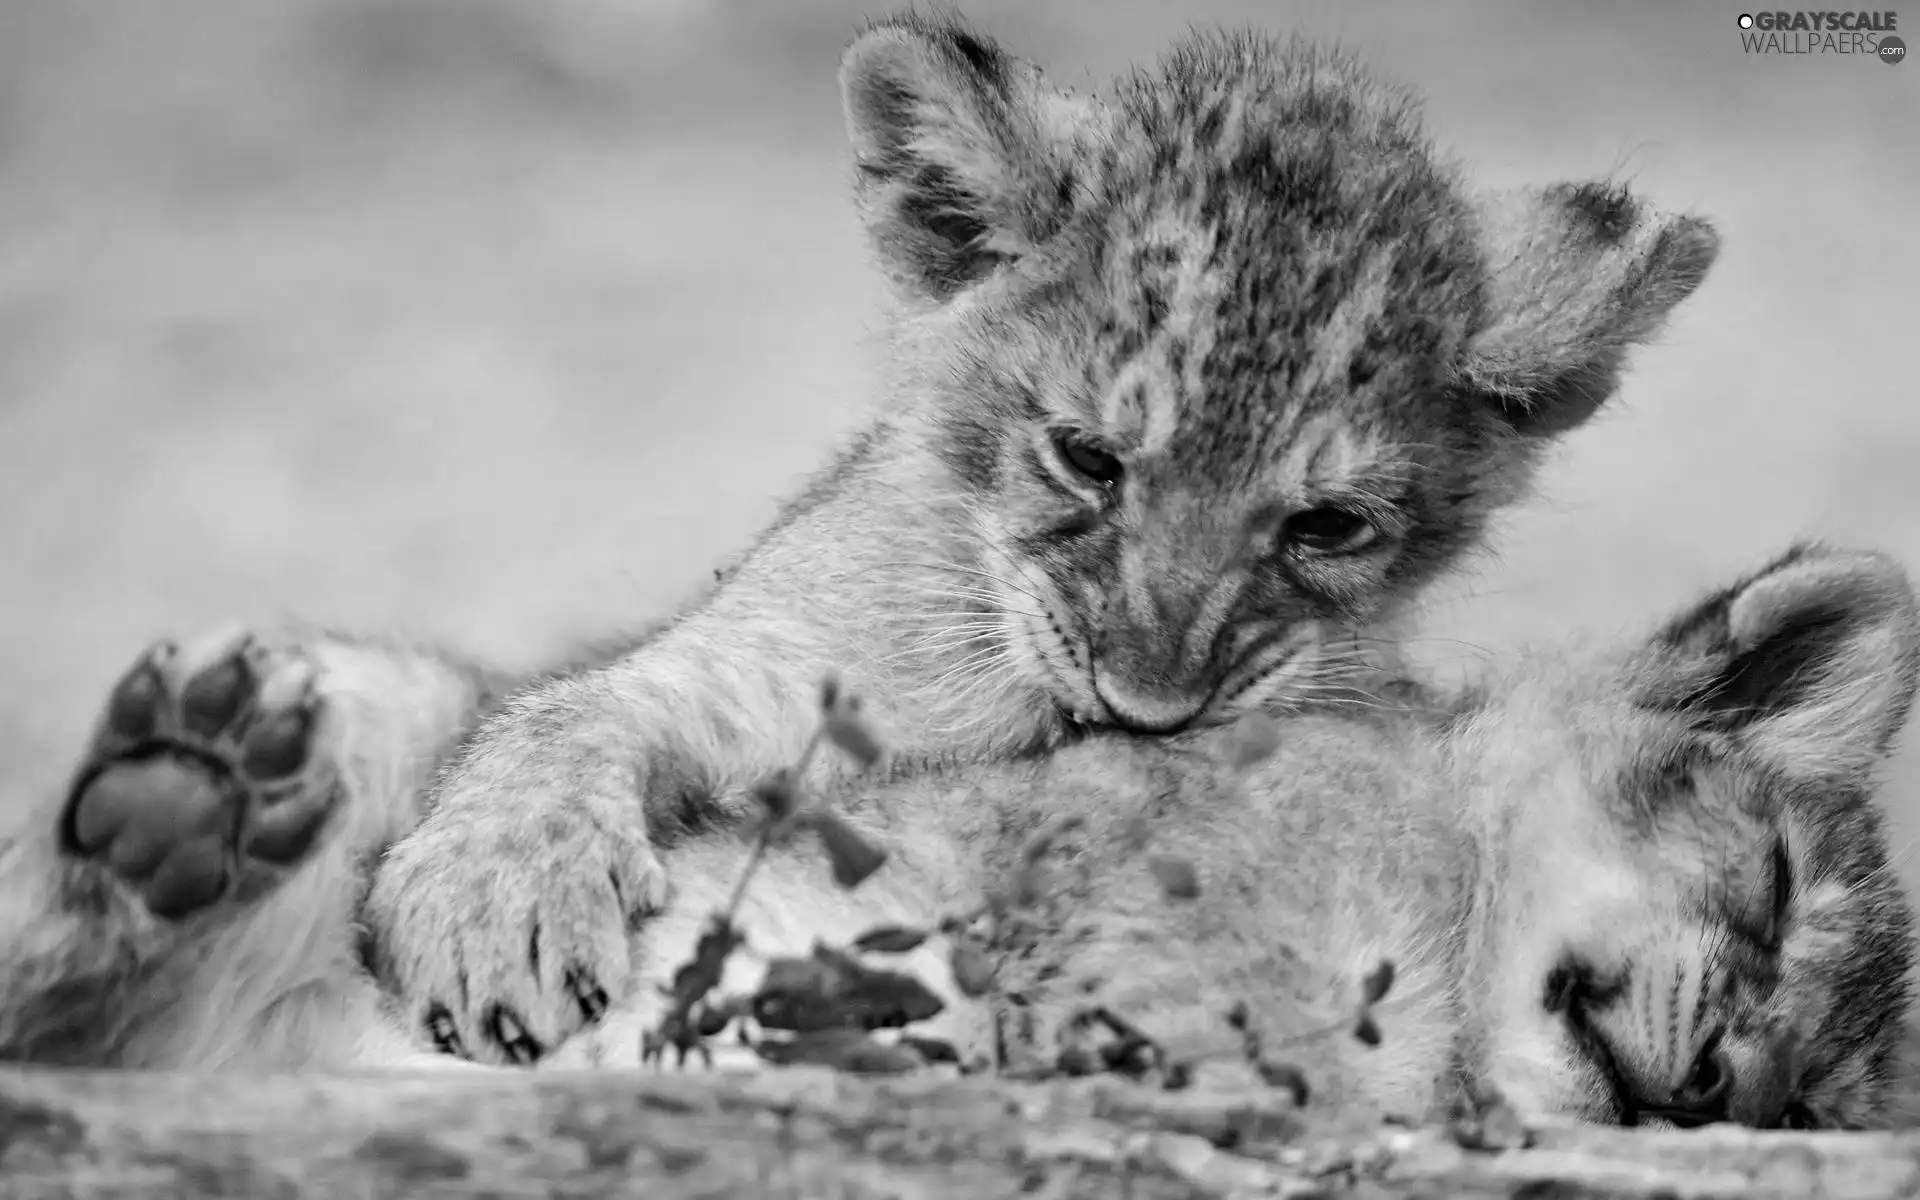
(1703,920)
(1227,359)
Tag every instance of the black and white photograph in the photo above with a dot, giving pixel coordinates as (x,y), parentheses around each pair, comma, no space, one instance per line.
(1061,598)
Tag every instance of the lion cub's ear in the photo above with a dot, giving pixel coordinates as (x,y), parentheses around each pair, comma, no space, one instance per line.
(1578,272)
(960,149)
(1811,662)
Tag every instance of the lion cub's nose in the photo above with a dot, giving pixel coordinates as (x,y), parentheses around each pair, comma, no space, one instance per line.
(1701,1099)
(1137,712)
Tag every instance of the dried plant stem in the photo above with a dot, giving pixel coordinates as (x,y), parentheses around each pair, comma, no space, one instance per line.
(806,754)
(754,856)
(764,837)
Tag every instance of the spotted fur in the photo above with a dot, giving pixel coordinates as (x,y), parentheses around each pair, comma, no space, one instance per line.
(1645,884)
(1648,885)
(1196,384)
(1305,362)
(1726,937)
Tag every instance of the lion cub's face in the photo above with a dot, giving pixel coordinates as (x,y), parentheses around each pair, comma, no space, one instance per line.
(1227,361)
(1705,924)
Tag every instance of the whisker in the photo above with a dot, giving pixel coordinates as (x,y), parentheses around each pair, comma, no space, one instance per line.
(943,651)
(963,570)
(968,696)
(941,637)
(1421,639)
(953,590)
(1895,860)
(933,618)
(989,656)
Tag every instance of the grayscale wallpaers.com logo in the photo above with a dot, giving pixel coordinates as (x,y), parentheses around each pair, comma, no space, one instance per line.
(1868,34)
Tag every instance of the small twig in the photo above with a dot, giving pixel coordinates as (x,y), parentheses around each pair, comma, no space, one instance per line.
(784,811)
(769,822)
(760,843)
(799,771)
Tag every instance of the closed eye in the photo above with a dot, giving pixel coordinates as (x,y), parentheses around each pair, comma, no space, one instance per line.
(1760,911)
(1780,883)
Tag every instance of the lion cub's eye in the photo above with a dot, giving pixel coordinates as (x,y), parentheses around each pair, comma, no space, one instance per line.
(1780,905)
(1327,530)
(1086,457)
(1760,911)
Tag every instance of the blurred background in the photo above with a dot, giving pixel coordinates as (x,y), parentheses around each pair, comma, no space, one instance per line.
(498,322)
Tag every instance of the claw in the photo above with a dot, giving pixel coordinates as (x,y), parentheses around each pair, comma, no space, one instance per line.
(512,1037)
(588,993)
(443,1033)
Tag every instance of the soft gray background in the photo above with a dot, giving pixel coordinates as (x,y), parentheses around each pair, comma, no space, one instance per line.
(498,322)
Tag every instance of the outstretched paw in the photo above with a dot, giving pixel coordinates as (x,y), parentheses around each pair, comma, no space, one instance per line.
(202,779)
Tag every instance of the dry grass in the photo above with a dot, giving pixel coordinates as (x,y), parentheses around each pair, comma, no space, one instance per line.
(496,321)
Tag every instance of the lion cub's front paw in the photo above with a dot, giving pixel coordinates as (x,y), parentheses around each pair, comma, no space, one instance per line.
(504,922)
(202,781)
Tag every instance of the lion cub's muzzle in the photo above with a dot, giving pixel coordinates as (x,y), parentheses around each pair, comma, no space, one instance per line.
(1759,1087)
(1147,712)
(1152,681)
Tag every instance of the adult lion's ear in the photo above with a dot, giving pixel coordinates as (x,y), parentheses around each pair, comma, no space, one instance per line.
(1578,273)
(961,151)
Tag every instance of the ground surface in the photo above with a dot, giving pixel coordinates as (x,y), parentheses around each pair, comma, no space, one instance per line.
(809,1133)
(497,321)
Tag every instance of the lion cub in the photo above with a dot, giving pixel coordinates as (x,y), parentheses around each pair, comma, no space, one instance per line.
(1195,386)
(1640,886)
(1649,884)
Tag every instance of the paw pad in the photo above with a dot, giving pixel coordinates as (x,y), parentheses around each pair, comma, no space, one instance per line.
(201,773)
